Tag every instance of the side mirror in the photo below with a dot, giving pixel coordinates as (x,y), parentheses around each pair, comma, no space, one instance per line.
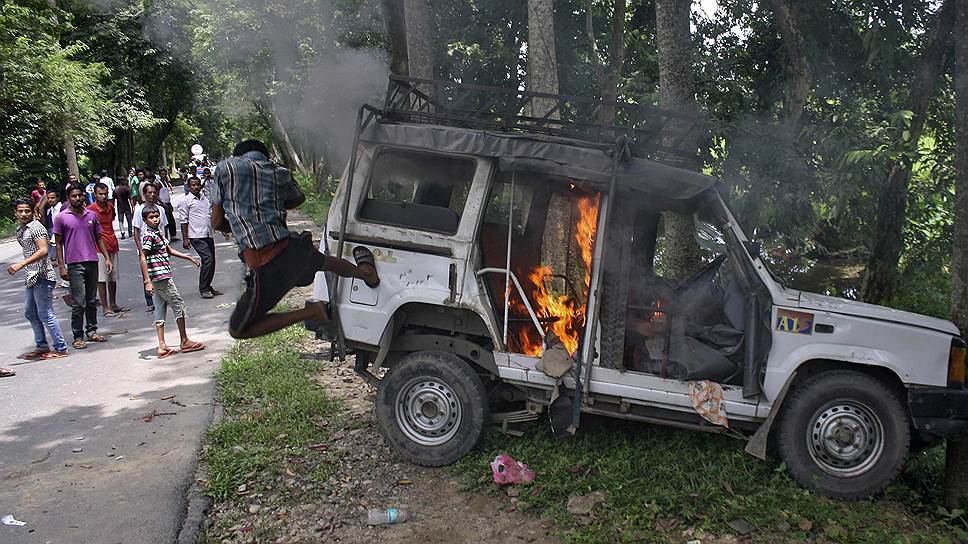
(753,248)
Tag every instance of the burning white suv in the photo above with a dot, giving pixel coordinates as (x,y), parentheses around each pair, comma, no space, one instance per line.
(534,259)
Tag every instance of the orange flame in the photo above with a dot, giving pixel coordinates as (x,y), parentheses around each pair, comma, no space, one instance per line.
(564,315)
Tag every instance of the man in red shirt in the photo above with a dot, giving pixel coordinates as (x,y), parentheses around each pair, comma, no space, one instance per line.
(107,280)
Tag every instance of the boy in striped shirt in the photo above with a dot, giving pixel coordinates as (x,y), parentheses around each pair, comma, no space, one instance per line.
(156,267)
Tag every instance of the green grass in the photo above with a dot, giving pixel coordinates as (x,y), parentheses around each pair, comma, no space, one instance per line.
(8,227)
(317,201)
(272,412)
(659,482)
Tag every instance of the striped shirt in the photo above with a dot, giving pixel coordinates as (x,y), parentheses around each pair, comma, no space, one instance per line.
(156,254)
(254,191)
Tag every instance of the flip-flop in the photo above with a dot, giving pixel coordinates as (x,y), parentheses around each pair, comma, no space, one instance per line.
(109,313)
(79,344)
(6,373)
(54,355)
(35,354)
(97,338)
(195,346)
(167,353)
(364,257)
(121,309)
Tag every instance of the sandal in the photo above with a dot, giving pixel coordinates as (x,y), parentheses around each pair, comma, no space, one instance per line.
(79,344)
(6,372)
(97,338)
(120,309)
(35,354)
(54,355)
(167,352)
(364,258)
(194,346)
(109,313)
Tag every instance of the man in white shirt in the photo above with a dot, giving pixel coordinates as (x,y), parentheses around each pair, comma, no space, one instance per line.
(149,191)
(109,182)
(195,216)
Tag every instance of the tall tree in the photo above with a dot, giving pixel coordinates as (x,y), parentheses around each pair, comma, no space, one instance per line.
(956,457)
(677,92)
(880,281)
(608,70)
(542,58)
(420,57)
(795,65)
(394,19)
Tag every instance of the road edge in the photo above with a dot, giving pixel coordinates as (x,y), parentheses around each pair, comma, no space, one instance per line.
(197,504)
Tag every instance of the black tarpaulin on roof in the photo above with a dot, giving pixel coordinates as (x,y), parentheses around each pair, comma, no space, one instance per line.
(555,156)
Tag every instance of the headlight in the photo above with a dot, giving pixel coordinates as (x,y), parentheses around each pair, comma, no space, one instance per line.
(956,363)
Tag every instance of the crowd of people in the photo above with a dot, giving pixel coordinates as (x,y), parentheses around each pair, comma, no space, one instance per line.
(69,240)
(69,236)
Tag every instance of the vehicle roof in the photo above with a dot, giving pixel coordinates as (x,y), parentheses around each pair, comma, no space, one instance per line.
(563,157)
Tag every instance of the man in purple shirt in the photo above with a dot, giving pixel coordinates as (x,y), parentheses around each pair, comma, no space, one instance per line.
(77,234)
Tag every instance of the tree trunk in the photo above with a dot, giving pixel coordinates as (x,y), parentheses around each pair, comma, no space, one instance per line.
(420,56)
(796,66)
(542,59)
(956,453)
(289,153)
(880,279)
(70,151)
(677,92)
(394,18)
(608,73)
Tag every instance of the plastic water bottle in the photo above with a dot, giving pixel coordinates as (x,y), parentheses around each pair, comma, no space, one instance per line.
(377,516)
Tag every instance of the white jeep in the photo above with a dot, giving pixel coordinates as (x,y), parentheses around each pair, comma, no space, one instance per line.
(530,259)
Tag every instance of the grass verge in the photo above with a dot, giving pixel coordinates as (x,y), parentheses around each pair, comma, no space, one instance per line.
(318,199)
(666,485)
(272,411)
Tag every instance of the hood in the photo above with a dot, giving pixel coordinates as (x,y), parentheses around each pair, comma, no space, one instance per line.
(823,303)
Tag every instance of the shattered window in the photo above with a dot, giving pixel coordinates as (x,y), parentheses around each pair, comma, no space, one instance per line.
(419,190)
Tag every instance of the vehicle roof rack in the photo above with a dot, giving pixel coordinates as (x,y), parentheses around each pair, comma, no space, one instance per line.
(650,132)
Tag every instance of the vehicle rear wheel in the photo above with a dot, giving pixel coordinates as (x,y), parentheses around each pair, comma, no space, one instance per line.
(844,433)
(431,408)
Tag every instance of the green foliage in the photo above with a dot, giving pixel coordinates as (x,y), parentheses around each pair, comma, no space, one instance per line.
(659,482)
(271,410)
(319,196)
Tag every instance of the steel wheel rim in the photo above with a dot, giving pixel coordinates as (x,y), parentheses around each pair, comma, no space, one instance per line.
(428,411)
(845,438)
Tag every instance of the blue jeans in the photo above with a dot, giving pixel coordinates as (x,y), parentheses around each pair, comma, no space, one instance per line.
(39,310)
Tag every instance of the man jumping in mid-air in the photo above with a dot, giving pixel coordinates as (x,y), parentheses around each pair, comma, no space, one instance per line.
(250,196)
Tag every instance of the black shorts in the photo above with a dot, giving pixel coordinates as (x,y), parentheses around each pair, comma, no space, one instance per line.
(265,286)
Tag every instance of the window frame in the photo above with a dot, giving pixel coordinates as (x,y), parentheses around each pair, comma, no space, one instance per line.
(379,151)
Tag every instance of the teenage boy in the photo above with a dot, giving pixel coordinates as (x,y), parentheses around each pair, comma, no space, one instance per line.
(149,191)
(40,279)
(195,216)
(77,233)
(156,267)
(39,192)
(250,196)
(107,282)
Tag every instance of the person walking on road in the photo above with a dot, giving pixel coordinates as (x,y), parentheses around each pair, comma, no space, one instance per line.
(149,191)
(107,282)
(106,180)
(40,280)
(124,204)
(195,216)
(39,193)
(250,197)
(156,267)
(165,190)
(77,233)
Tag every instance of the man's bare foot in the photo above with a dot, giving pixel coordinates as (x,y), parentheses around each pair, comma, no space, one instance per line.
(320,311)
(189,346)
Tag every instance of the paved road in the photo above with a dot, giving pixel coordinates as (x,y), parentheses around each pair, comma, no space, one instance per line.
(128,483)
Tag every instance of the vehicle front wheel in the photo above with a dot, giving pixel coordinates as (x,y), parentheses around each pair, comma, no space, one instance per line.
(843,433)
(431,408)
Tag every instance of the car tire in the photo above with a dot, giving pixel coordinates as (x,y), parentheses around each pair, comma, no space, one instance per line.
(431,408)
(844,434)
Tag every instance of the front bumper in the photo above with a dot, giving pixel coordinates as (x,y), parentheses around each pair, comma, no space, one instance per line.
(940,411)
